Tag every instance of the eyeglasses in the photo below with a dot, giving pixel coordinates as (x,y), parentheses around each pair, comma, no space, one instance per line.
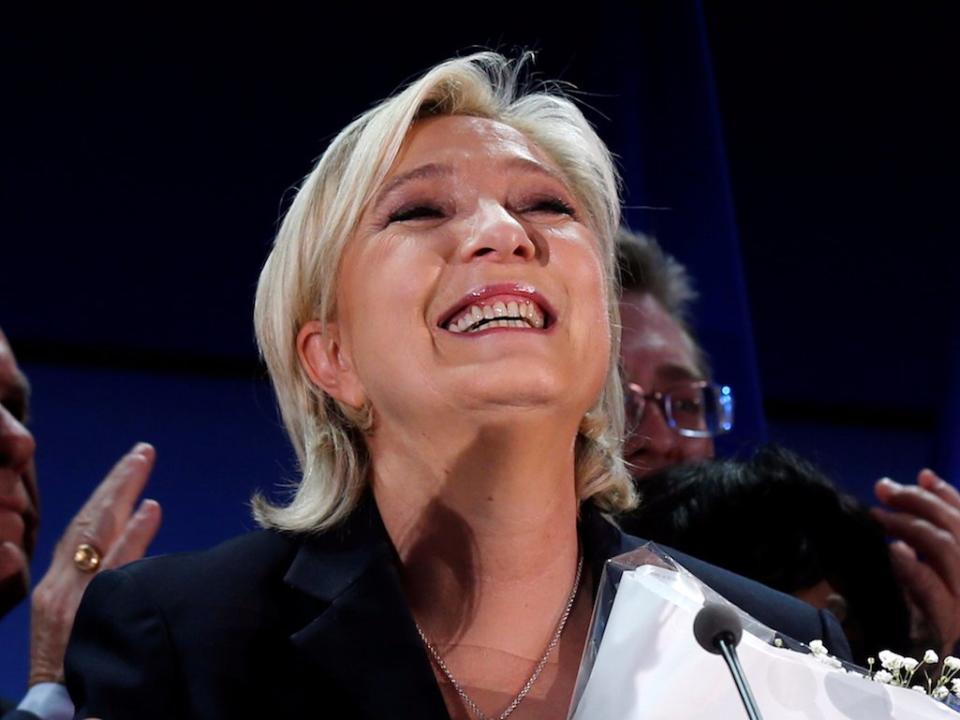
(695,409)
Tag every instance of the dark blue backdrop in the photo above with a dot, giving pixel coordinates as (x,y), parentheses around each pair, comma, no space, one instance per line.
(800,167)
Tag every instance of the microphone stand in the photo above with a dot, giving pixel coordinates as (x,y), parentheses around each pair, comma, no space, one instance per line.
(729,652)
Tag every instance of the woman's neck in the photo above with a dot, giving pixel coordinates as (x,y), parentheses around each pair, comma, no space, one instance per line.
(484,524)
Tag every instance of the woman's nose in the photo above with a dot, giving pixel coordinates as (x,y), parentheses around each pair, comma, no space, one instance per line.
(493,233)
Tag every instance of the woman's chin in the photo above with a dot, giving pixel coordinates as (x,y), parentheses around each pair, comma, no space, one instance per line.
(524,392)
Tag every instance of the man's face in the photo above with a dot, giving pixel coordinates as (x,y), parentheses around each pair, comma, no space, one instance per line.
(18,482)
(657,355)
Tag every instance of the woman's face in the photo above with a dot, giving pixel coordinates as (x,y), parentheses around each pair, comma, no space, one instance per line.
(473,281)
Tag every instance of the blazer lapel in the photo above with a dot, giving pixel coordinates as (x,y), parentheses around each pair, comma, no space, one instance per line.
(601,540)
(365,639)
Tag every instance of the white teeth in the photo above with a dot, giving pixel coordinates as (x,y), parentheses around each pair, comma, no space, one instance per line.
(514,314)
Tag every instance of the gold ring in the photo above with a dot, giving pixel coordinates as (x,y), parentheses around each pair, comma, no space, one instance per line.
(87,558)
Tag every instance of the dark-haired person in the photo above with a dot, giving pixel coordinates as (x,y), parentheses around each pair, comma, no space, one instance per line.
(105,533)
(661,357)
(777,519)
(664,369)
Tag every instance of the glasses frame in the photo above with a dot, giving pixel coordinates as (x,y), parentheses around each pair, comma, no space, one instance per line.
(723,396)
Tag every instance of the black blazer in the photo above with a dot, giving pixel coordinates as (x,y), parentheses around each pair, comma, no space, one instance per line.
(284,626)
(8,711)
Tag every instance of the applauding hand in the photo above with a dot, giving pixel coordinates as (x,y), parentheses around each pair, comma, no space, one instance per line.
(925,520)
(106,533)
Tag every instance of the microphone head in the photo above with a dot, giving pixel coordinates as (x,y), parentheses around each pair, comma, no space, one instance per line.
(715,622)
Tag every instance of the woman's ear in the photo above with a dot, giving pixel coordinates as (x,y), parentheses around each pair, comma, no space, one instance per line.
(325,361)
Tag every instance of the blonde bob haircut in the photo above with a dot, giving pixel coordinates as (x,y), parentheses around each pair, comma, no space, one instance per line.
(299,279)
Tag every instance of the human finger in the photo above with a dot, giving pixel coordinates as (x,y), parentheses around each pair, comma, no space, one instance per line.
(103,517)
(136,537)
(932,482)
(939,548)
(928,593)
(126,479)
(919,579)
(920,502)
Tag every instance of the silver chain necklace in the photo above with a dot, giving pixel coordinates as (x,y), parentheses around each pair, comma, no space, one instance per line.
(554,641)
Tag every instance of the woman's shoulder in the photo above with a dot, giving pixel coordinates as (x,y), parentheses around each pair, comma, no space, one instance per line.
(236,590)
(251,558)
(189,630)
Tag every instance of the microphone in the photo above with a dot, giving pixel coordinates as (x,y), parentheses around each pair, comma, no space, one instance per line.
(718,630)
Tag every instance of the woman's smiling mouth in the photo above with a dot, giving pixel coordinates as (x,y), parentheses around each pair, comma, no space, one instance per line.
(504,311)
(517,307)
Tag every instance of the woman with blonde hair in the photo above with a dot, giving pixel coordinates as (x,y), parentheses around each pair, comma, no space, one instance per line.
(438,316)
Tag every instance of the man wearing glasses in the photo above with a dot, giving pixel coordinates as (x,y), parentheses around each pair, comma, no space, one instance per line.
(673,411)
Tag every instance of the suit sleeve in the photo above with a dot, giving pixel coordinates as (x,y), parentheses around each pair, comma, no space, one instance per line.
(19,715)
(834,637)
(120,663)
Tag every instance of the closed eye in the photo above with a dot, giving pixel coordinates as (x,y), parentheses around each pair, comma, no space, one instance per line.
(554,206)
(415,212)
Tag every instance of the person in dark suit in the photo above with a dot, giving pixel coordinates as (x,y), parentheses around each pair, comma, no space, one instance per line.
(438,317)
(271,625)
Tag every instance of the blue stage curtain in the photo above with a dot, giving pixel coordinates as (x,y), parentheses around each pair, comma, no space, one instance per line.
(668,135)
(947,450)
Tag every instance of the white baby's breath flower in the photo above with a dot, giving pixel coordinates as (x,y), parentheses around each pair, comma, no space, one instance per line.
(909,664)
(890,660)
(920,689)
(955,686)
(882,676)
(940,693)
(930,657)
(951,663)
(817,647)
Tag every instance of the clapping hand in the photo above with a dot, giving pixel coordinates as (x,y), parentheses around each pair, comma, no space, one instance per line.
(925,520)
(106,533)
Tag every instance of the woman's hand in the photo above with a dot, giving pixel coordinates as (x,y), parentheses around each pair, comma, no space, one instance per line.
(108,523)
(926,522)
